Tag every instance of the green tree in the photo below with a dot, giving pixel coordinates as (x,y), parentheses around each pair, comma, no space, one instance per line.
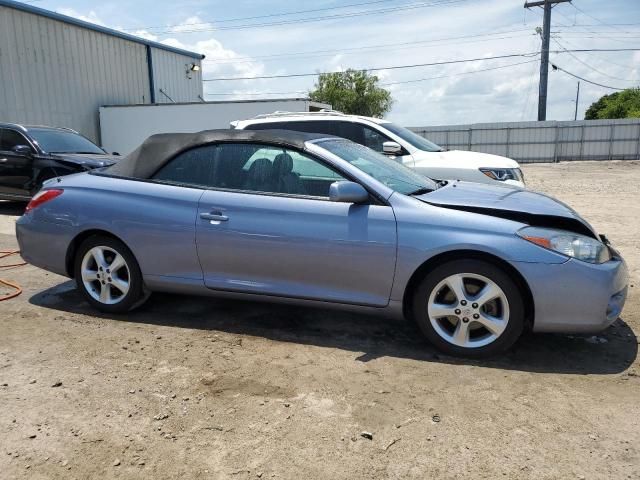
(624,104)
(355,92)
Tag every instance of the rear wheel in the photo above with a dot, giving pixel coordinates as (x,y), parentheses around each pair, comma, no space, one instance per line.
(108,275)
(469,308)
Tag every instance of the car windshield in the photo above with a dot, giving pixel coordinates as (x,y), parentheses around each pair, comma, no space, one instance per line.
(414,139)
(61,141)
(389,172)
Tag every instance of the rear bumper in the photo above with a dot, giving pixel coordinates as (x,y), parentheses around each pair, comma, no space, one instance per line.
(576,297)
(44,244)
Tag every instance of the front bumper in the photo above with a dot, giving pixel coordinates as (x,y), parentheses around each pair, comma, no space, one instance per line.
(575,296)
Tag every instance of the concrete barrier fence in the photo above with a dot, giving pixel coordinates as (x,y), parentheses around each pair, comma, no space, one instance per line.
(532,142)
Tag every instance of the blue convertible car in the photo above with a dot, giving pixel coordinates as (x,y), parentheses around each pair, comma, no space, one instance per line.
(316,220)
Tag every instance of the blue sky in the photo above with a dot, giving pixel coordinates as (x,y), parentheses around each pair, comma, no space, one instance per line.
(401,32)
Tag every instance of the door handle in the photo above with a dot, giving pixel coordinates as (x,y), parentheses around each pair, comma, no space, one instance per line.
(3,160)
(214,217)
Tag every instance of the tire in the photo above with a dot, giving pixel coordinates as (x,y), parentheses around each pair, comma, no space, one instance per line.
(108,290)
(490,321)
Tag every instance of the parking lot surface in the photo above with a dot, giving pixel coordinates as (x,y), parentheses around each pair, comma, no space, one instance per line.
(205,388)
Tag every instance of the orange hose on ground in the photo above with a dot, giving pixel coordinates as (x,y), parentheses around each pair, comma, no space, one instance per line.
(17,289)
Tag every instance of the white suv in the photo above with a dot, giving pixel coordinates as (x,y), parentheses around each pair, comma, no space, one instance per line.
(406,146)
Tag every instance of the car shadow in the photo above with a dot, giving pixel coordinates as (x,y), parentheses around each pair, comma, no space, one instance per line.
(11,208)
(610,352)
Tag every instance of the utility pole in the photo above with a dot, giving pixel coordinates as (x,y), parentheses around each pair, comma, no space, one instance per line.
(544,59)
(575,117)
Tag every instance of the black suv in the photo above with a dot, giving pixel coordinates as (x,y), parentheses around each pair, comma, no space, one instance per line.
(29,155)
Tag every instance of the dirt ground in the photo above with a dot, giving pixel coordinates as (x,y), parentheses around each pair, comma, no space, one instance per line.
(202,388)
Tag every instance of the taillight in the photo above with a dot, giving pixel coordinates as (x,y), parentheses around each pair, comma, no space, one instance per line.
(41,197)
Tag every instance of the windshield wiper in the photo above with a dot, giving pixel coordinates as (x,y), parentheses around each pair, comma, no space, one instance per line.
(80,153)
(420,191)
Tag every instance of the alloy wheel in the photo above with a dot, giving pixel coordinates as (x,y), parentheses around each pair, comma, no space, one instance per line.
(468,310)
(105,275)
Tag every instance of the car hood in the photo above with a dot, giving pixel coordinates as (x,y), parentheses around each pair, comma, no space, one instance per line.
(464,159)
(88,160)
(511,203)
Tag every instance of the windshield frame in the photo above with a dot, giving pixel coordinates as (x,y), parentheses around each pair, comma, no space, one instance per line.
(35,132)
(412,138)
(412,180)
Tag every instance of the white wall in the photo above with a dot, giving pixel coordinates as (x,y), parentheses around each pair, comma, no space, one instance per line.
(124,128)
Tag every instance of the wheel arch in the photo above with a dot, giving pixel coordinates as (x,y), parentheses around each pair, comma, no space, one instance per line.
(77,241)
(437,260)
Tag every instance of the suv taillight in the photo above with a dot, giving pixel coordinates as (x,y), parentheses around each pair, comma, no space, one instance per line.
(41,197)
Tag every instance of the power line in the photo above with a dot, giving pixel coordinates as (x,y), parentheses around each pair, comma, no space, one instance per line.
(458,74)
(319,53)
(257,17)
(586,29)
(395,67)
(600,58)
(320,19)
(399,67)
(589,66)
(592,17)
(556,67)
(390,83)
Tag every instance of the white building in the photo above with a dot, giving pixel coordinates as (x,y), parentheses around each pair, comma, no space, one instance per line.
(57,70)
(124,127)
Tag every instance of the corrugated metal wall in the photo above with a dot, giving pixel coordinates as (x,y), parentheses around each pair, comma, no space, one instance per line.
(59,74)
(529,142)
(53,73)
(170,76)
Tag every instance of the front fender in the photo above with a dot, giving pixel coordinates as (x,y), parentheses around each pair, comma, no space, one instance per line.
(428,231)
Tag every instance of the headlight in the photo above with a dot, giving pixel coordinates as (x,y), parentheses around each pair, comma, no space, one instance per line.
(567,243)
(504,174)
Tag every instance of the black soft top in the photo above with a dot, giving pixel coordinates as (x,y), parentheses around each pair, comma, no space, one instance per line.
(157,150)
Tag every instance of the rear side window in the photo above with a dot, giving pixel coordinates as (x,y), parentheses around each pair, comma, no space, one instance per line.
(193,167)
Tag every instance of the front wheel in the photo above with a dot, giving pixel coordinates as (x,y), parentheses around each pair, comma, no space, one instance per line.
(469,308)
(108,275)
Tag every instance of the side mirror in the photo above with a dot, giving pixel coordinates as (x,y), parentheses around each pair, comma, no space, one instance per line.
(348,192)
(391,148)
(24,150)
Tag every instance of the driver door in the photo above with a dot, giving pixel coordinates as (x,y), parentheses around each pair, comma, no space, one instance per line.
(263,236)
(16,170)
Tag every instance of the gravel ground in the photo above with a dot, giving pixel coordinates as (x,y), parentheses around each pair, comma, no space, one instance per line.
(204,388)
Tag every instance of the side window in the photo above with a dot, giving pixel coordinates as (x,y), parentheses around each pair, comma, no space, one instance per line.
(273,169)
(10,139)
(373,139)
(193,167)
(250,167)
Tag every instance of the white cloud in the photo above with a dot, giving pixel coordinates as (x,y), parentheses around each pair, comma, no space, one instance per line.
(91,17)
(191,24)
(498,95)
